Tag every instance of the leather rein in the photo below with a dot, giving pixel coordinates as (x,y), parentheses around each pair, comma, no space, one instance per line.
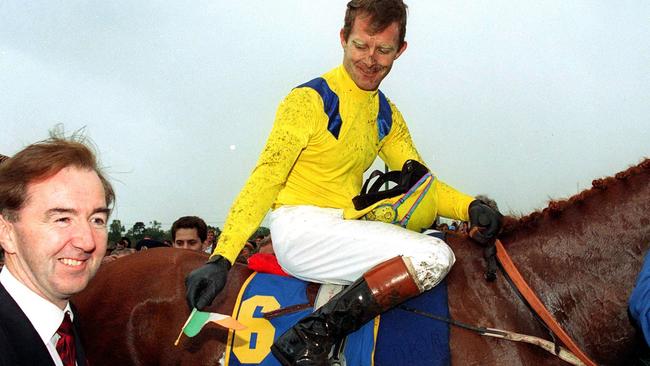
(535,303)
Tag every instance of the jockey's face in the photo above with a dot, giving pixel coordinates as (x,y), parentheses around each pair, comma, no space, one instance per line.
(56,244)
(367,56)
(188,239)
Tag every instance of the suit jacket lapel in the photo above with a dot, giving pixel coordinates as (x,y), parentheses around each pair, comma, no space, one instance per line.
(23,342)
(81,354)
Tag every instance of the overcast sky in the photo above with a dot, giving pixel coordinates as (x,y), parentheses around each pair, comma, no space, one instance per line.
(521,100)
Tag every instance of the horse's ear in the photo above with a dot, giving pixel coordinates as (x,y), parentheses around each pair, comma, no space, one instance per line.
(6,235)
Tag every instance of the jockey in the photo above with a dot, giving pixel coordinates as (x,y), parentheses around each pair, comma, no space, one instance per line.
(326,133)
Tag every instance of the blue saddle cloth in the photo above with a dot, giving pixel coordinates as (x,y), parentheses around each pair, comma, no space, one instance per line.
(406,338)
(264,293)
(427,339)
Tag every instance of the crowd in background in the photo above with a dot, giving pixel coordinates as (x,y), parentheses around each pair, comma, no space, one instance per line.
(188,232)
(259,243)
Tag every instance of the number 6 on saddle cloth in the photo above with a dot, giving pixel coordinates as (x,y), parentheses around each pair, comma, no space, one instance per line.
(411,203)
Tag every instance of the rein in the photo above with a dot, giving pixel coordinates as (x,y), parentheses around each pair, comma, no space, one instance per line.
(571,354)
(511,271)
(551,347)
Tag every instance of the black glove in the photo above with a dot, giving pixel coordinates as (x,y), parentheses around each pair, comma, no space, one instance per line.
(486,219)
(204,283)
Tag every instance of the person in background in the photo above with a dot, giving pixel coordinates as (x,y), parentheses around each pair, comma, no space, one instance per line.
(266,246)
(2,253)
(639,309)
(54,208)
(189,232)
(463,228)
(123,243)
(122,248)
(246,252)
(148,243)
(211,241)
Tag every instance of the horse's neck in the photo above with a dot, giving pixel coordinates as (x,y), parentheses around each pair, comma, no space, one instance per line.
(609,222)
(583,260)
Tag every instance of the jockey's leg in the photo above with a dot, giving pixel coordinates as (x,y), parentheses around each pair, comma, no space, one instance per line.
(309,342)
(318,245)
(390,265)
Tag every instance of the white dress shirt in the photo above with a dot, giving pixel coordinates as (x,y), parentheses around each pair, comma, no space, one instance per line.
(44,316)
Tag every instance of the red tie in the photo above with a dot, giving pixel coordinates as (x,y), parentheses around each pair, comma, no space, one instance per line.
(65,344)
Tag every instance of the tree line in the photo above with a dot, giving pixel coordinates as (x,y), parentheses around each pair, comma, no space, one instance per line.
(154,231)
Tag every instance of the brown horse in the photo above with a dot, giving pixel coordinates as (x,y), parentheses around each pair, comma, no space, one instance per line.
(580,255)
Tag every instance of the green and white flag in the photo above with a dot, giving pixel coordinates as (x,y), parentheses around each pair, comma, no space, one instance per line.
(198,319)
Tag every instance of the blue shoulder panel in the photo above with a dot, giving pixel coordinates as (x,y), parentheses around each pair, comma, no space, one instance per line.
(330,103)
(331,106)
(384,117)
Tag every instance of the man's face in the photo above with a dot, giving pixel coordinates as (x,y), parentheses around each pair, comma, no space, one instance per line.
(57,244)
(368,57)
(188,239)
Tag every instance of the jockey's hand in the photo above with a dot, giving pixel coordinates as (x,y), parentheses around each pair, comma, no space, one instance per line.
(485,222)
(204,283)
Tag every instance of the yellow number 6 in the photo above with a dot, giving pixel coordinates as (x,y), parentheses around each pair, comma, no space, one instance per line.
(253,344)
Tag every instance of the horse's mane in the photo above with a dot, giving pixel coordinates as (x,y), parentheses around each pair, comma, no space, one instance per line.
(556,207)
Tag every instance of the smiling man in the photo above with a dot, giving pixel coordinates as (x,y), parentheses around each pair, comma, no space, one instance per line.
(327,132)
(54,205)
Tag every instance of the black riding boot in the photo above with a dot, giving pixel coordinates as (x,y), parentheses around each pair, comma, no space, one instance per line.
(310,341)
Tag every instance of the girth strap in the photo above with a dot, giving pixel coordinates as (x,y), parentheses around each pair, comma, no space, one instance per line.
(311,292)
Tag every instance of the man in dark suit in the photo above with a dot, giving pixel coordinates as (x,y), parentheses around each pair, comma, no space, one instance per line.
(54,206)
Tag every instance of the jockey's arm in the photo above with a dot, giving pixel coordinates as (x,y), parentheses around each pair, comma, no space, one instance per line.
(452,203)
(289,136)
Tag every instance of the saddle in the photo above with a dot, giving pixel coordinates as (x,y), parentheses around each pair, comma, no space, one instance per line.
(269,305)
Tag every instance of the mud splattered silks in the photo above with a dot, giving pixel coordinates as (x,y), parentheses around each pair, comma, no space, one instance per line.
(304,163)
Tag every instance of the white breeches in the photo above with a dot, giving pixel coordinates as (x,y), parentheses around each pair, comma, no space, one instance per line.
(318,245)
